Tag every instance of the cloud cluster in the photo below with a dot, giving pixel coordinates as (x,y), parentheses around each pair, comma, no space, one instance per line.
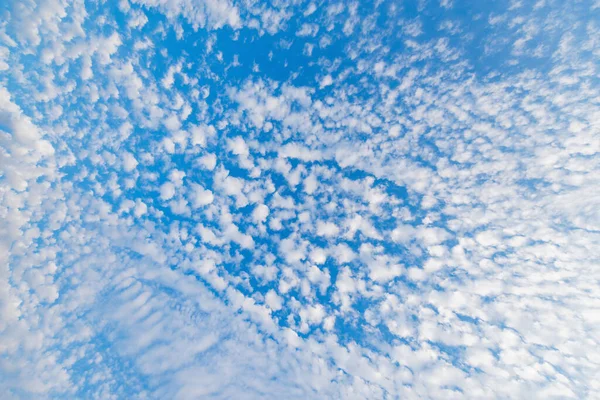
(206,199)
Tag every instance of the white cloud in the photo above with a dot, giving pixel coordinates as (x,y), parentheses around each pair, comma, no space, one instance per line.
(273,300)
(487,238)
(200,196)
(176,176)
(140,208)
(129,162)
(318,256)
(208,161)
(238,146)
(327,229)
(453,210)
(327,80)
(260,213)
(167,191)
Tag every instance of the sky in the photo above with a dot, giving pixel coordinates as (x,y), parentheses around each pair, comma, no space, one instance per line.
(242,199)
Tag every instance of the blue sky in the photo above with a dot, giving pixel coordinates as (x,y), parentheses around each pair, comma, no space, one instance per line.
(206,199)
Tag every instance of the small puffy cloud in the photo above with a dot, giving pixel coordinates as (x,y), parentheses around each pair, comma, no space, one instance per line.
(382,272)
(200,134)
(298,151)
(327,229)
(137,19)
(319,277)
(318,256)
(176,176)
(129,162)
(208,161)
(292,338)
(200,196)
(395,130)
(432,236)
(403,233)
(274,301)
(238,146)
(327,80)
(172,122)
(343,253)
(329,323)
(179,206)
(487,238)
(313,314)
(260,213)
(140,208)
(308,30)
(167,191)
(168,145)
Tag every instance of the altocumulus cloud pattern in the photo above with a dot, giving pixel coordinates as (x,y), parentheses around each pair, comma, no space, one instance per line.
(223,199)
